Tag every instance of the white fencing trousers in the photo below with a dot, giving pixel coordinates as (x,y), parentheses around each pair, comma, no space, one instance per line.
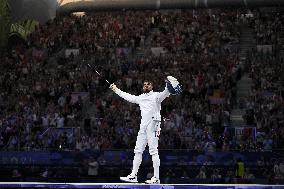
(156,165)
(136,163)
(138,159)
(148,135)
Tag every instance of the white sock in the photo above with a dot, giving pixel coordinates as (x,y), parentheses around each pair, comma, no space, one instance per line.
(136,163)
(156,165)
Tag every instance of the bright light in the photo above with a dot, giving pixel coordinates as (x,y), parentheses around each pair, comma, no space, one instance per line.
(62,2)
(79,14)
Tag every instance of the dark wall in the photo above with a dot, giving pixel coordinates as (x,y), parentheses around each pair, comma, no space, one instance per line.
(40,10)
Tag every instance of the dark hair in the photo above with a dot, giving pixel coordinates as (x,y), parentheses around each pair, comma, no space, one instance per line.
(148,81)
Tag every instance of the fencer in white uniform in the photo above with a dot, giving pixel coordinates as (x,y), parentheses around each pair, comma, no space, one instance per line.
(150,107)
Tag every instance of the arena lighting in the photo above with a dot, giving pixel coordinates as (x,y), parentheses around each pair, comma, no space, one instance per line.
(69,6)
(79,14)
(63,2)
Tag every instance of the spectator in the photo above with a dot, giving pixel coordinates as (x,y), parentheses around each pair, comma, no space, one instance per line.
(93,167)
(45,174)
(216,177)
(202,173)
(239,168)
(16,173)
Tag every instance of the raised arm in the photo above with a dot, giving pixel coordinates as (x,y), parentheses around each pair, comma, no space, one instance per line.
(172,87)
(126,96)
(162,95)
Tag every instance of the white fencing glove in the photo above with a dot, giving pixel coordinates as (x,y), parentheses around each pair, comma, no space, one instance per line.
(113,87)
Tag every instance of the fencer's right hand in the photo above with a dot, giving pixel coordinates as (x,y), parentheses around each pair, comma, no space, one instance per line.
(113,87)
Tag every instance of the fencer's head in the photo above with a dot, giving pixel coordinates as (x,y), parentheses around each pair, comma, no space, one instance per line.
(147,86)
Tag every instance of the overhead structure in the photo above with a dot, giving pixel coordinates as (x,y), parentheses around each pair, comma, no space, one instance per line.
(112,5)
(23,28)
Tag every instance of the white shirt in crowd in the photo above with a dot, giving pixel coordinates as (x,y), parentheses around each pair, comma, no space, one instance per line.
(93,168)
(60,121)
(45,120)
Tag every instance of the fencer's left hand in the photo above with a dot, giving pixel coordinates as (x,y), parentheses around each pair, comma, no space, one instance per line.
(173,85)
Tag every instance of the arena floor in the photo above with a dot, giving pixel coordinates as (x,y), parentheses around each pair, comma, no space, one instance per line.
(135,186)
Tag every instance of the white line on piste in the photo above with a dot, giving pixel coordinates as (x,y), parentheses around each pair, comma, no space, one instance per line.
(135,184)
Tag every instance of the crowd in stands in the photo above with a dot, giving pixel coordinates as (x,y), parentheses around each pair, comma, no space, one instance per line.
(35,98)
(37,95)
(266,27)
(205,59)
(191,118)
(94,32)
(264,106)
(185,31)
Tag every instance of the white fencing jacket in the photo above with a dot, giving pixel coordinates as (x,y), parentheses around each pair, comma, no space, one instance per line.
(149,103)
